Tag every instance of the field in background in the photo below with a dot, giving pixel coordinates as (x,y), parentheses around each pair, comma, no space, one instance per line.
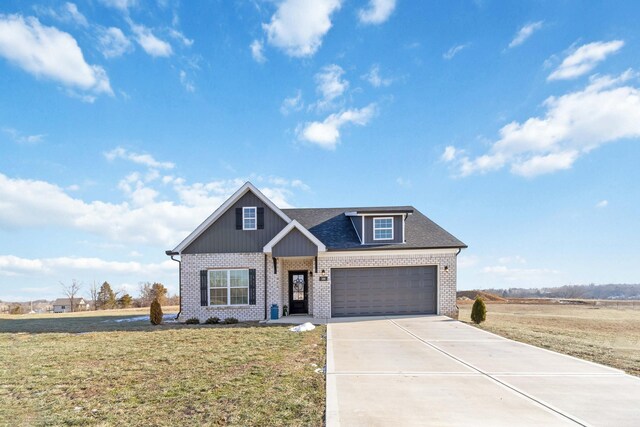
(88,369)
(600,333)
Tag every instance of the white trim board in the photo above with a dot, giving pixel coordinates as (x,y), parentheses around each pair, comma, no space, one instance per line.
(268,248)
(390,252)
(224,207)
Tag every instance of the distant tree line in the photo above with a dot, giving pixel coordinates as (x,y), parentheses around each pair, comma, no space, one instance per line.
(102,297)
(591,291)
(105,297)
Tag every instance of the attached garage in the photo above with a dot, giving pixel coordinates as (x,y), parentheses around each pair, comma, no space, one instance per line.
(384,291)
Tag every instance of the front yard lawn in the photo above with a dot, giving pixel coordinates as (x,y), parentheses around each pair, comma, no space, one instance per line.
(132,373)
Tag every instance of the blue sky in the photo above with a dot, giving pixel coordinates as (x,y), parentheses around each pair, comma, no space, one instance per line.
(123,124)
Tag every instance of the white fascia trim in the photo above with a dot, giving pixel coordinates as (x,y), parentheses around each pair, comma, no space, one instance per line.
(390,252)
(294,224)
(224,207)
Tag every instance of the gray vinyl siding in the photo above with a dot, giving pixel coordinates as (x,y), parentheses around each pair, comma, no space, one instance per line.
(222,236)
(357,224)
(294,244)
(397,230)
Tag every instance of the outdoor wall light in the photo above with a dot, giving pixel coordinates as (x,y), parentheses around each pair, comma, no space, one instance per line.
(446,268)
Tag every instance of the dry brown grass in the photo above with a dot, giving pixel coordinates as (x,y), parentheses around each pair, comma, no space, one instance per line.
(610,336)
(96,372)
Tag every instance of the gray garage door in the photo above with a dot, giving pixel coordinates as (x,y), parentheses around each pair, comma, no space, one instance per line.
(384,290)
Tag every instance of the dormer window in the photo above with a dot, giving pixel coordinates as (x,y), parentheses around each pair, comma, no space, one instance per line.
(383,228)
(249,218)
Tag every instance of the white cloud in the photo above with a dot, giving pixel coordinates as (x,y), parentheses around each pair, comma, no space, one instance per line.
(326,134)
(515,259)
(292,103)
(141,159)
(18,137)
(187,82)
(257,52)
(144,218)
(298,26)
(149,42)
(449,153)
(607,110)
(525,32)
(522,276)
(330,85)
(122,5)
(584,59)
(11,265)
(50,53)
(187,42)
(375,79)
(467,261)
(602,204)
(454,51)
(74,14)
(67,13)
(403,182)
(113,42)
(377,11)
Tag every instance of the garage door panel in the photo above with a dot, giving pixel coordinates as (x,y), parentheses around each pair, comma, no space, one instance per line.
(383,290)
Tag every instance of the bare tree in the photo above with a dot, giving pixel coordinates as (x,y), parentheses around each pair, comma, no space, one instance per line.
(94,295)
(71,291)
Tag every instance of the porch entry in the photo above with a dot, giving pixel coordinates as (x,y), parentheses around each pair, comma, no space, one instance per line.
(298,292)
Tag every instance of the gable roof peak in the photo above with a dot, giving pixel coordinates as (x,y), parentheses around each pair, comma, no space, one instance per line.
(246,187)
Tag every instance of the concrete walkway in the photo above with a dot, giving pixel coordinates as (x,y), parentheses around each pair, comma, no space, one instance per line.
(431,370)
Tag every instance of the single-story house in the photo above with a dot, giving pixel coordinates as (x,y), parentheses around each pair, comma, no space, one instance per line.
(322,262)
(63,305)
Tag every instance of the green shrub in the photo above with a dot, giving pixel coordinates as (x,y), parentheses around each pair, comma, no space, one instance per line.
(478,311)
(212,320)
(192,321)
(230,321)
(155,314)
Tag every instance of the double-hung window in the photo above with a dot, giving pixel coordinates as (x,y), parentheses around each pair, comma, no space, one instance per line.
(383,229)
(249,218)
(228,287)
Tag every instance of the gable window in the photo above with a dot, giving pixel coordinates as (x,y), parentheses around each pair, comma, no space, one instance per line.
(383,229)
(249,218)
(228,287)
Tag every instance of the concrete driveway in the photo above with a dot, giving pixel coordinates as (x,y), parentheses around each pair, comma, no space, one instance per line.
(431,370)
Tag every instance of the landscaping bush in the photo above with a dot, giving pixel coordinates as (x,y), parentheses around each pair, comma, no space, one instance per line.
(478,311)
(230,320)
(192,321)
(212,321)
(155,314)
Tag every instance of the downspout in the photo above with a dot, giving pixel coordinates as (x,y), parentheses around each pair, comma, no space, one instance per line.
(457,308)
(265,287)
(172,254)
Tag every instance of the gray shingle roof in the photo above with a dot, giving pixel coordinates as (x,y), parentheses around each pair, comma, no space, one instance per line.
(67,301)
(335,230)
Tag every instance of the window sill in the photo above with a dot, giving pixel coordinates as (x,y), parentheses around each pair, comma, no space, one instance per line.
(229,306)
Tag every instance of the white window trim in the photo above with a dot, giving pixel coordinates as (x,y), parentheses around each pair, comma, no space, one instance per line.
(382,228)
(255,218)
(228,270)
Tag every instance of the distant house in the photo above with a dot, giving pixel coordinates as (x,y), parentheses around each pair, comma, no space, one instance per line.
(63,305)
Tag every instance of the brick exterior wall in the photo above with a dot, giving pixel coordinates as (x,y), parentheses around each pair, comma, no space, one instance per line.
(319,292)
(190,286)
(446,279)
